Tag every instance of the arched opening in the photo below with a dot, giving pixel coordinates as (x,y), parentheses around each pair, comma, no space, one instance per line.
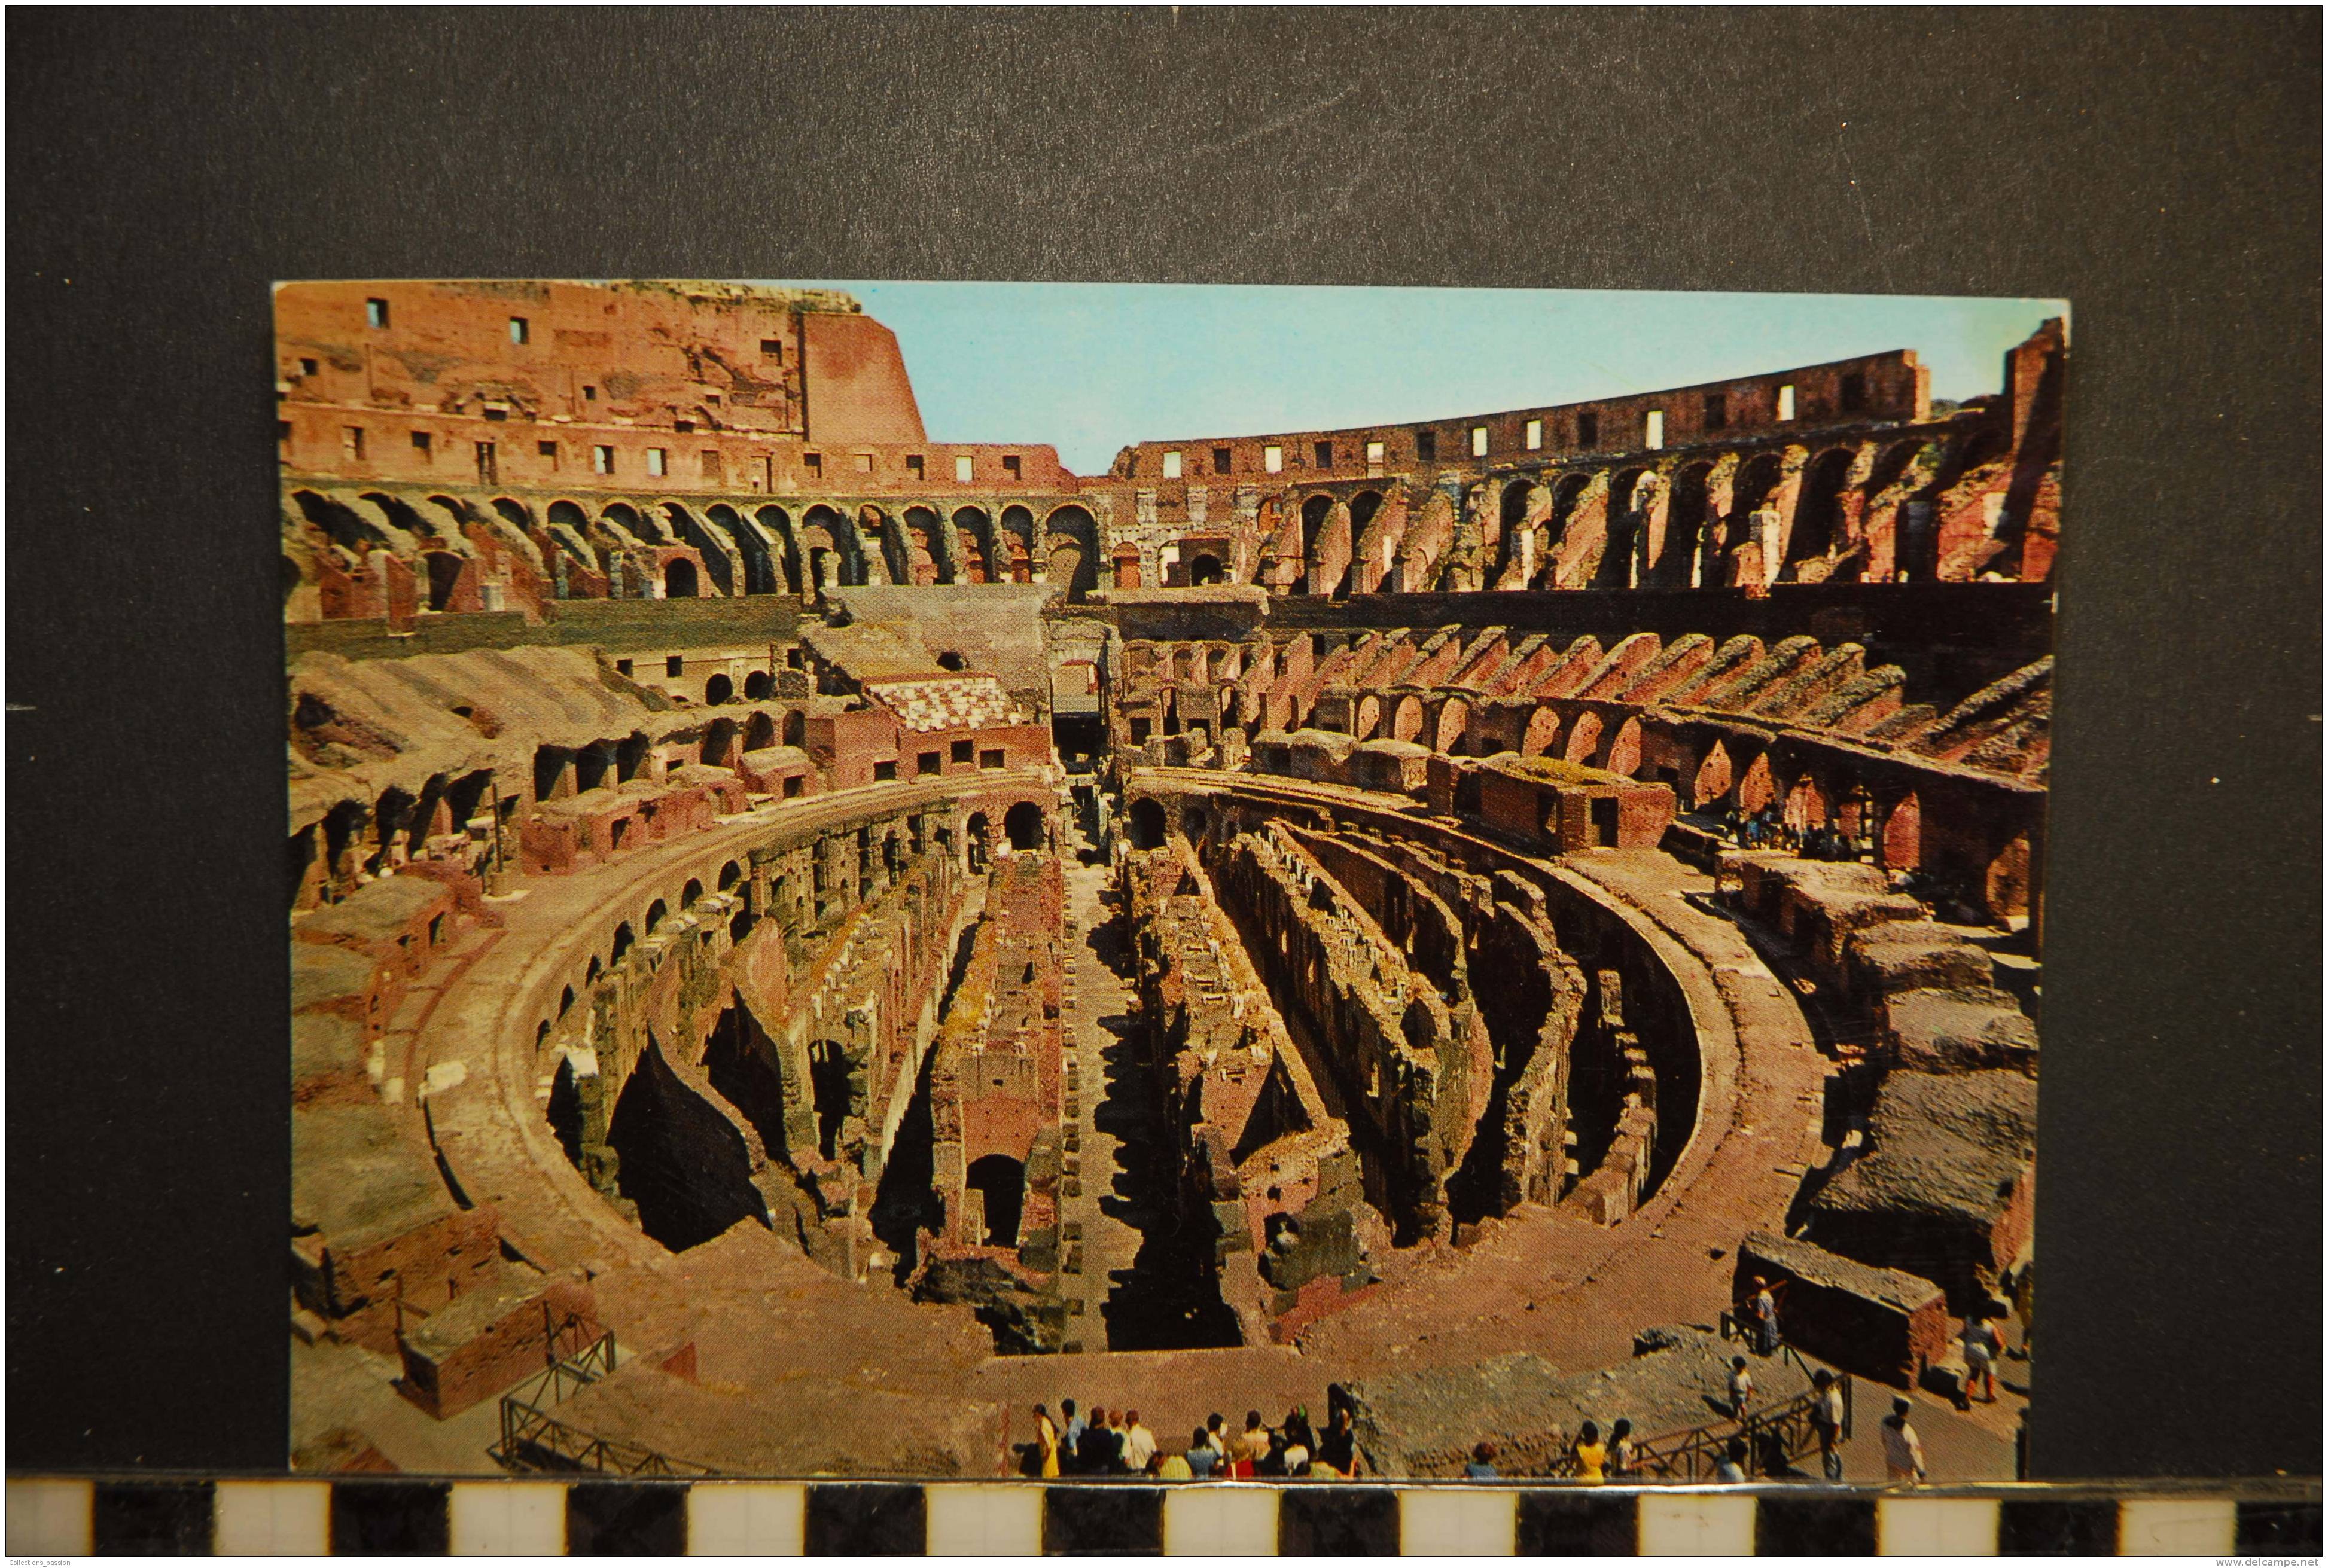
(444,577)
(951,660)
(1015,562)
(1819,514)
(1710,786)
(1205,570)
(1406,719)
(1146,824)
(623,940)
(719,690)
(1363,507)
(679,579)
(690,893)
(1677,563)
(1584,738)
(1630,495)
(786,565)
(1543,728)
(925,540)
(729,875)
(656,913)
(978,848)
(757,685)
(1449,735)
(683,1164)
(973,533)
(828,1090)
(1071,529)
(565,1002)
(759,732)
(1899,843)
(751,545)
(717,738)
(1512,517)
(1314,512)
(1000,1183)
(1023,825)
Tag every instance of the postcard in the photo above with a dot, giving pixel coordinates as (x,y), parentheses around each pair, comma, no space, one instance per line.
(974,880)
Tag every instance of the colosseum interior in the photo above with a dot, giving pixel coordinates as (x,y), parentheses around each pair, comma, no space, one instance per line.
(809,940)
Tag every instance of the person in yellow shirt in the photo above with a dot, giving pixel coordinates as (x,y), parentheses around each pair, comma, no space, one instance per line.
(1046,1443)
(1592,1455)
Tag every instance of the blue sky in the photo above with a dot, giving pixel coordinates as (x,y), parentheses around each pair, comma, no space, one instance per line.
(1094,367)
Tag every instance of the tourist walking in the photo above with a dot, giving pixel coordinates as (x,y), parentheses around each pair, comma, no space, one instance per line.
(1827,1421)
(1591,1454)
(1980,1348)
(1903,1450)
(1763,1312)
(1622,1459)
(1742,1387)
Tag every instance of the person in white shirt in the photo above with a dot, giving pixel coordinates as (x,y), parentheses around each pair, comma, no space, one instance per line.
(1904,1451)
(1139,1444)
(1827,1421)
(1742,1387)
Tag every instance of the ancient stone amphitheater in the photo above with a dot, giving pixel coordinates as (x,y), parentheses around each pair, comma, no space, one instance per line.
(807,941)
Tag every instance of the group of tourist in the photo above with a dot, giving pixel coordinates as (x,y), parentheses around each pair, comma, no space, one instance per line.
(1101,1443)
(1769,830)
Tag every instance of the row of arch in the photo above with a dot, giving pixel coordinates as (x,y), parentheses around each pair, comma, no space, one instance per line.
(1676,545)
(612,548)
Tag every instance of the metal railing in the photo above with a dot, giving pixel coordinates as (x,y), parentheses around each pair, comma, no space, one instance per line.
(1692,1454)
(534,1440)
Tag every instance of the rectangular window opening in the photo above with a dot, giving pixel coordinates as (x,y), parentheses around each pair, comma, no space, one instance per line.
(813,462)
(1587,430)
(1325,453)
(1536,435)
(793,787)
(1220,460)
(1853,396)
(1171,465)
(1717,411)
(1010,465)
(864,461)
(772,349)
(991,760)
(1272,459)
(966,469)
(715,467)
(1478,440)
(1653,429)
(961,750)
(930,762)
(884,772)
(675,664)
(548,452)
(421,442)
(914,465)
(602,459)
(1426,445)
(657,459)
(1786,402)
(521,332)
(589,394)
(375,313)
(352,443)
(308,367)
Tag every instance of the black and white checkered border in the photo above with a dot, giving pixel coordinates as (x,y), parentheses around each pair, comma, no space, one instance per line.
(385,1515)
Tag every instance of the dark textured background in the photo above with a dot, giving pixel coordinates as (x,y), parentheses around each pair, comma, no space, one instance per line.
(2161,169)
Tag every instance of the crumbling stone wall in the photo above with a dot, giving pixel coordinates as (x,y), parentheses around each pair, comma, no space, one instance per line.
(1415,1074)
(1267,1168)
